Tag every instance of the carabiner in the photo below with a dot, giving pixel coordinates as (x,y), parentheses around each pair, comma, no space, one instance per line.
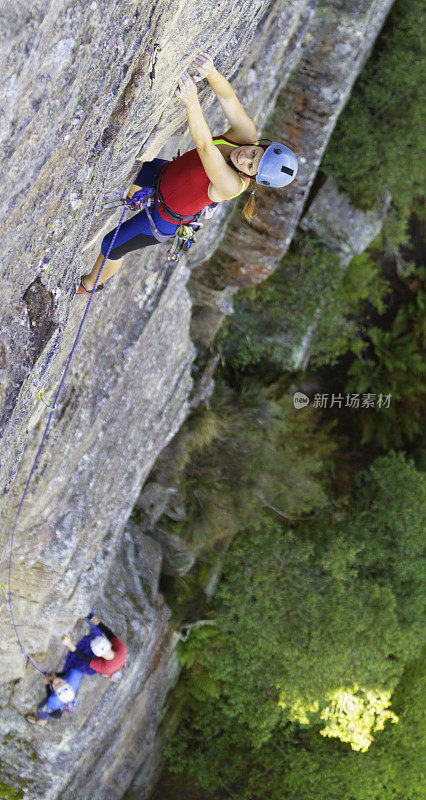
(106,205)
(47,403)
(153,62)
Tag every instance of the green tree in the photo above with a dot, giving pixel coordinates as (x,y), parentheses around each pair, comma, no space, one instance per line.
(298,763)
(270,321)
(336,604)
(394,365)
(378,143)
(261,452)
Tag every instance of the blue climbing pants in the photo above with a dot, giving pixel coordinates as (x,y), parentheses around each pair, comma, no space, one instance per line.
(136,233)
(72,661)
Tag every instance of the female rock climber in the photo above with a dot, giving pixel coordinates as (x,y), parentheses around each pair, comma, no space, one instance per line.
(108,652)
(61,689)
(218,169)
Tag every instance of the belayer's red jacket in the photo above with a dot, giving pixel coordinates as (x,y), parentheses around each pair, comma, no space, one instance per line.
(102,665)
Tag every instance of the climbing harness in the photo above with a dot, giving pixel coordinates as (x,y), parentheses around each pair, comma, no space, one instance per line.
(182,239)
(52,409)
(184,236)
(152,63)
(140,201)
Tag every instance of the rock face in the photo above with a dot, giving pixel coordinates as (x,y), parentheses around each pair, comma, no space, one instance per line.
(155,501)
(336,45)
(77,112)
(344,228)
(119,720)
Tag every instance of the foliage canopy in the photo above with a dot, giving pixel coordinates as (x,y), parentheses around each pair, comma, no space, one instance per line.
(334,606)
(378,143)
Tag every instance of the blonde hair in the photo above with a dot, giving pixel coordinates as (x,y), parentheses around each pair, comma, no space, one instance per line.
(250,209)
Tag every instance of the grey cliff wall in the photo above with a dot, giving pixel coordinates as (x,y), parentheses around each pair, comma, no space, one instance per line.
(347,231)
(335,47)
(344,228)
(76,114)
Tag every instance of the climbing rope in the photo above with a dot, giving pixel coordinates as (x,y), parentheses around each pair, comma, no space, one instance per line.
(52,409)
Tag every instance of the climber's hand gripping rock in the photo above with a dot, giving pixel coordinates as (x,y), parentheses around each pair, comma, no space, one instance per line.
(202,65)
(187,90)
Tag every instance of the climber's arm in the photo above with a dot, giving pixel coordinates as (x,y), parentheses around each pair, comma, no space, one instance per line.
(67,641)
(242,127)
(223,177)
(198,128)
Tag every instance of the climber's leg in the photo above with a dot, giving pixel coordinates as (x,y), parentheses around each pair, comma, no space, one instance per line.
(110,267)
(35,721)
(134,188)
(134,234)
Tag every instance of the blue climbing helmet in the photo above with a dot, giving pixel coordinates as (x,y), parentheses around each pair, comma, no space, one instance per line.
(278,165)
(65,693)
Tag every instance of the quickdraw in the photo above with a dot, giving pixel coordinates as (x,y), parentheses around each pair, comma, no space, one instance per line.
(153,62)
(182,241)
(122,201)
(47,403)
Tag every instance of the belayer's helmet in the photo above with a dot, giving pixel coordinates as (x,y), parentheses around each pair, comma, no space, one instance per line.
(100,645)
(277,167)
(65,693)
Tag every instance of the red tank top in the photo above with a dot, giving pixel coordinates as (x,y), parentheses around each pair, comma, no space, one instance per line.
(184,184)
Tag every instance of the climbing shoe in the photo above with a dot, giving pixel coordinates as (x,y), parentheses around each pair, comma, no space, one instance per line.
(35,721)
(81,289)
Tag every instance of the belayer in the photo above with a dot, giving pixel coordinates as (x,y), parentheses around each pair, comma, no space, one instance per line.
(61,689)
(218,169)
(102,651)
